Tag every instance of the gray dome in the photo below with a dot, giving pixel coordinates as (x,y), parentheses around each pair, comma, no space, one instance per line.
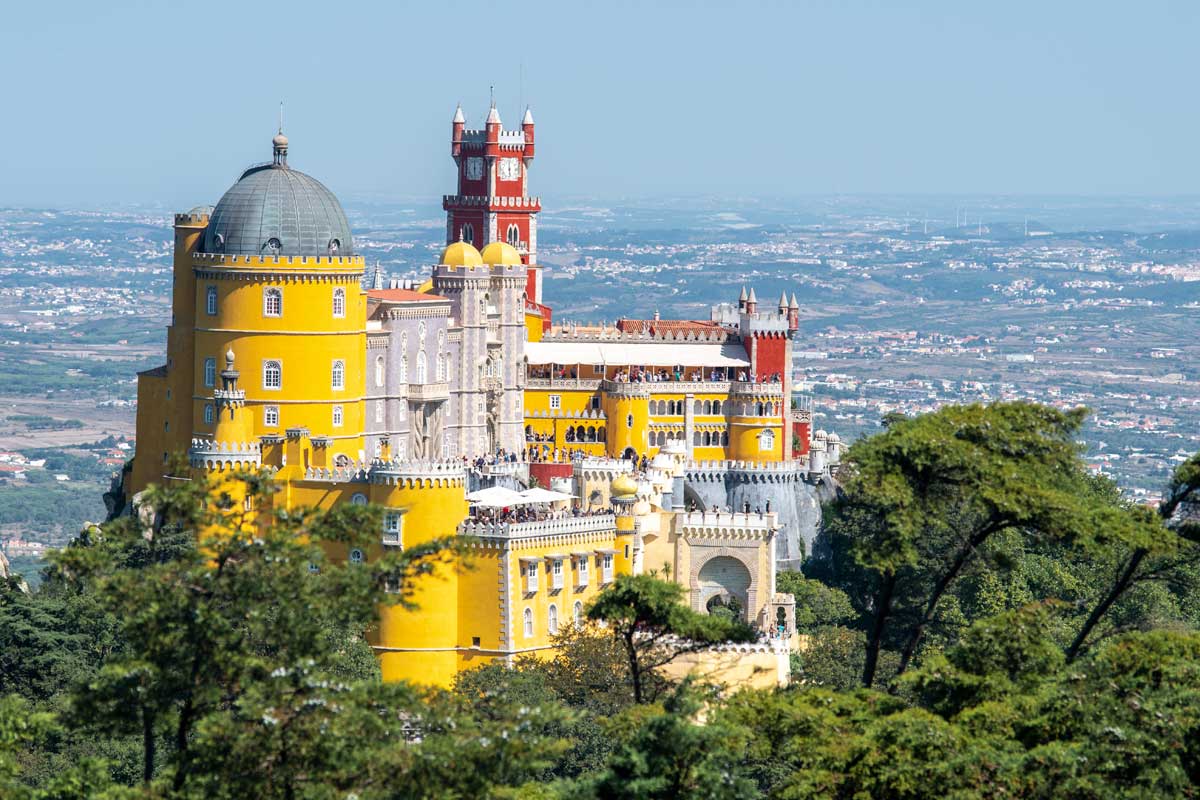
(274,210)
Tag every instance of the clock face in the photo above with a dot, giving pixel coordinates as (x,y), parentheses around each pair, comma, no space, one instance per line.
(474,168)
(510,169)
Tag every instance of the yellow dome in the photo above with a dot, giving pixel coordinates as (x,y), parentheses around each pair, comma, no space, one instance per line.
(623,486)
(500,253)
(461,254)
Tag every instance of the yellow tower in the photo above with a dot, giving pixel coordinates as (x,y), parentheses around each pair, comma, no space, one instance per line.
(624,495)
(627,408)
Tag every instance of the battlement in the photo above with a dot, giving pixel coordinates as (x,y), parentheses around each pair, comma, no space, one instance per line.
(563,383)
(206,453)
(573,332)
(418,474)
(200,259)
(490,201)
(623,389)
(199,220)
(602,523)
(480,271)
(593,414)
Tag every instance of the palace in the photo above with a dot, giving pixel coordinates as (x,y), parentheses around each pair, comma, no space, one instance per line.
(673,437)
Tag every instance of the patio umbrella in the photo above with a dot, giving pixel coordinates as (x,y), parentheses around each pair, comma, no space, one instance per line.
(540,495)
(496,497)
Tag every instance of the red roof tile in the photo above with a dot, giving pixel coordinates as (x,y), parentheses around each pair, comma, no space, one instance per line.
(402,296)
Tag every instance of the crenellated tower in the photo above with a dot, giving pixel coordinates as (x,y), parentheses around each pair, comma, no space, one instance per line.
(492,202)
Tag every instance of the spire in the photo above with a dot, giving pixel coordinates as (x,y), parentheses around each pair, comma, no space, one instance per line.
(742,296)
(377,278)
(493,114)
(794,305)
(458,115)
(753,298)
(279,144)
(528,120)
(783,303)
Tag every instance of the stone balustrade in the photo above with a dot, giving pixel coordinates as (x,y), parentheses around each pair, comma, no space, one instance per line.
(429,392)
(563,383)
(210,454)
(755,389)
(549,527)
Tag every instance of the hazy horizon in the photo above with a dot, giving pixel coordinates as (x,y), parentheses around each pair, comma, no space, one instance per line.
(164,104)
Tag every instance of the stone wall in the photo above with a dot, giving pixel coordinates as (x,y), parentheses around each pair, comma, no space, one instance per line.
(794,495)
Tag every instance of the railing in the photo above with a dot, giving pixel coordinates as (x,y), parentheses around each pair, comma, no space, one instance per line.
(736,519)
(754,388)
(504,468)
(562,383)
(623,389)
(517,530)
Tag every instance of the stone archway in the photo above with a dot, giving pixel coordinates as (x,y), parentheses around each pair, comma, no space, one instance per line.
(724,581)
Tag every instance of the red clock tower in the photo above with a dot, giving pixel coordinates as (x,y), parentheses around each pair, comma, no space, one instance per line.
(492,202)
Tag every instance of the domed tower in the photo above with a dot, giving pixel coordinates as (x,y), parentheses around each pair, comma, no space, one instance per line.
(271,274)
(623,492)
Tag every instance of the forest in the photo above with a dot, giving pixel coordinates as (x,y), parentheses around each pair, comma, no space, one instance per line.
(989,620)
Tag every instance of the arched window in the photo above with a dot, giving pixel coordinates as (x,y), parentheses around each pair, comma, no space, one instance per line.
(600,437)
(272,375)
(766,440)
(403,368)
(341,460)
(552,620)
(468,233)
(697,439)
(210,300)
(441,367)
(339,301)
(379,412)
(356,556)
(358,499)
(272,302)
(210,372)
(422,367)
(338,380)
(379,370)
(528,619)
(270,416)
(337,416)
(578,613)
(629,421)
(707,439)
(208,414)
(660,439)
(514,235)
(725,438)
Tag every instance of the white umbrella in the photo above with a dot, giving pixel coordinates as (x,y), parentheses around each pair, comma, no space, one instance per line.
(540,495)
(496,497)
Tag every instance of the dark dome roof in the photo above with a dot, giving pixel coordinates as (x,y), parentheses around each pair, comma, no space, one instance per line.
(274,210)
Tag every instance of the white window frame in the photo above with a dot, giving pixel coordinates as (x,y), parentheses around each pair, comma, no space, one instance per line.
(339,303)
(556,573)
(531,569)
(339,416)
(393,527)
(606,568)
(337,376)
(358,499)
(577,613)
(528,626)
(467,233)
(555,401)
(581,569)
(210,301)
(210,372)
(380,370)
(268,293)
(513,235)
(766,441)
(270,416)
(357,556)
(422,367)
(552,620)
(267,362)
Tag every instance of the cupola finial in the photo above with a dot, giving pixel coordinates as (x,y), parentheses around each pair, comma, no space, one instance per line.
(279,145)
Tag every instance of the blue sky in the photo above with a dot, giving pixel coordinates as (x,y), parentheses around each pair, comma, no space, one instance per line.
(164,102)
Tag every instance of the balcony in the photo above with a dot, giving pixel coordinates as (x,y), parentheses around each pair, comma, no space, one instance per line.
(429,392)
(623,389)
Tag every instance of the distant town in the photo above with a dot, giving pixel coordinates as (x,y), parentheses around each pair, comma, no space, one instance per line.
(1067,304)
